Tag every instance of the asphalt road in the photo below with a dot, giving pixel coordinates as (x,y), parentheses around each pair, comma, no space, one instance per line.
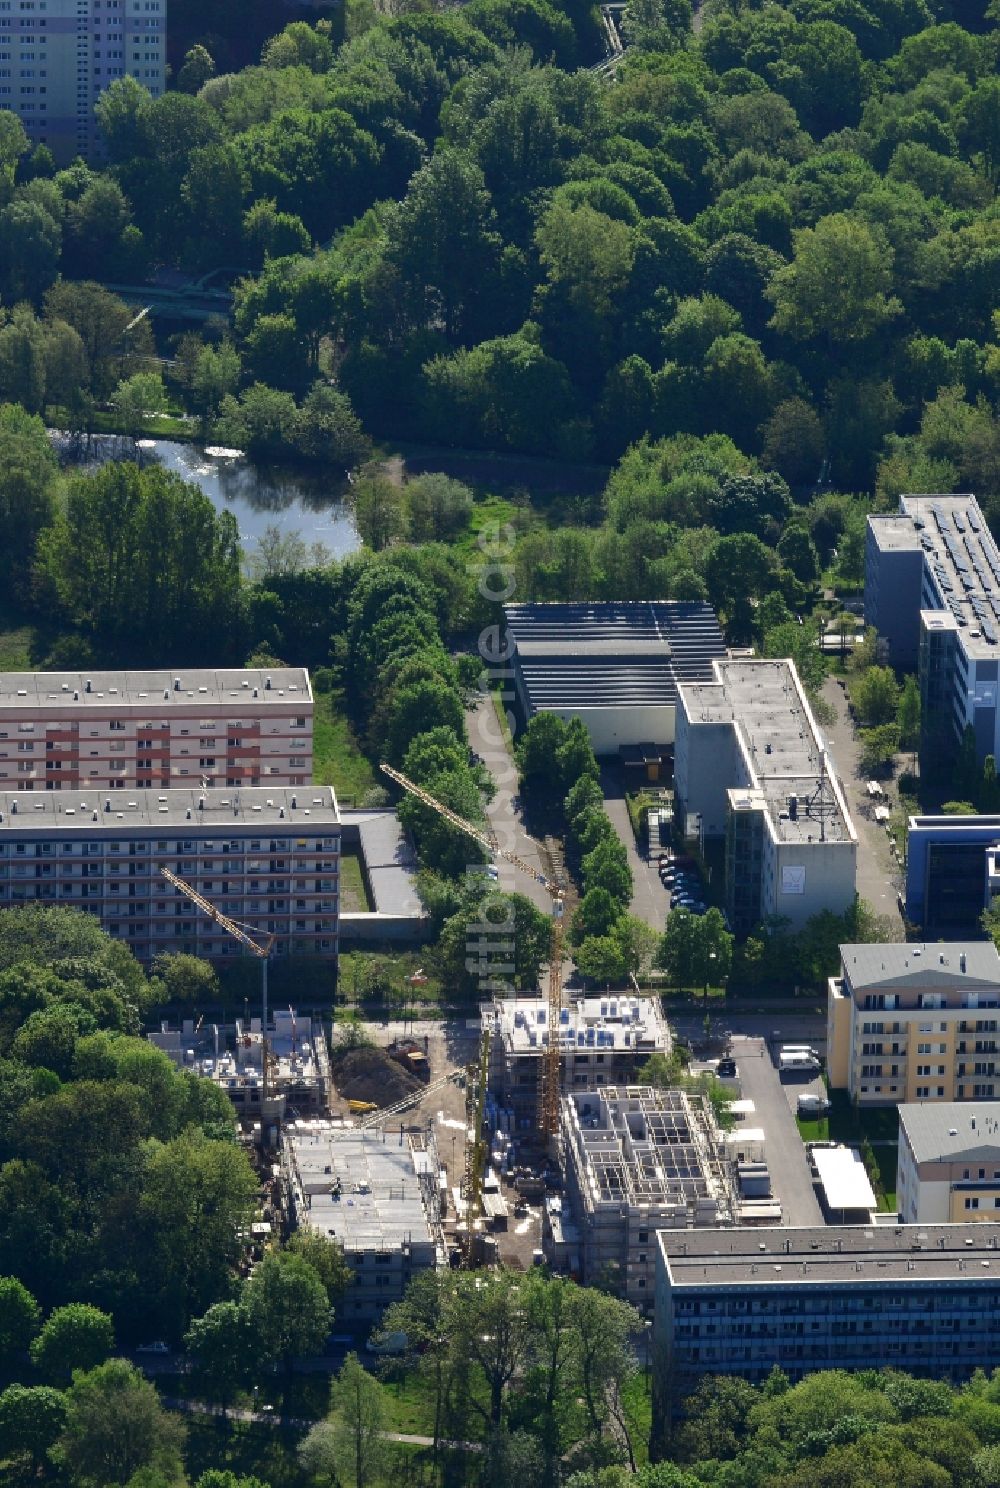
(805,1027)
(784,1151)
(879,876)
(487,740)
(650,900)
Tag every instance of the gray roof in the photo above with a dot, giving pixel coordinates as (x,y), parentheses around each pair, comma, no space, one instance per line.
(91,812)
(851,1255)
(938,1130)
(213,686)
(898,964)
(615,654)
(379,1204)
(389,861)
(961,563)
(762,699)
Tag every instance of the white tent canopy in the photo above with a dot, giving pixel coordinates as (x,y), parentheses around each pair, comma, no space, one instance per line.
(843,1178)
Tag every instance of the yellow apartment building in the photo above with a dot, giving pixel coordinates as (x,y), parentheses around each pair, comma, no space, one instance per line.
(949,1162)
(909,1023)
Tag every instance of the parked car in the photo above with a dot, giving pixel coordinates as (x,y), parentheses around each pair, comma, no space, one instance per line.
(727,1069)
(152,1348)
(810,1104)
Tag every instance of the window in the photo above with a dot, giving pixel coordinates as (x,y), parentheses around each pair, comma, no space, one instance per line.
(972,1203)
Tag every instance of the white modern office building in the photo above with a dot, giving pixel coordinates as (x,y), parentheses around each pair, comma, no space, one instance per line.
(932,591)
(58,56)
(751,766)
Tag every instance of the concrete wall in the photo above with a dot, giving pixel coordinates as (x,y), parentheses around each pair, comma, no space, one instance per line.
(892,597)
(839,1034)
(706,764)
(610,728)
(829,883)
(368,928)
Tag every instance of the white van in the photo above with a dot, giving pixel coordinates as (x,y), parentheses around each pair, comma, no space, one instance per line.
(799,1063)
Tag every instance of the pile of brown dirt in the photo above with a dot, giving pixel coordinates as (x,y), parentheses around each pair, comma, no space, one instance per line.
(368,1074)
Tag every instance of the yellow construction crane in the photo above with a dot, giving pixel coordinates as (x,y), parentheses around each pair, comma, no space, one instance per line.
(241,933)
(552,1058)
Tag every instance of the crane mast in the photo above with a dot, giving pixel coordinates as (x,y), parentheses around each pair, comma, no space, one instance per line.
(257,948)
(548,1105)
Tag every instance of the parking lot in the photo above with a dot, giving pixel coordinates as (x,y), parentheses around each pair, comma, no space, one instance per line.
(774,1103)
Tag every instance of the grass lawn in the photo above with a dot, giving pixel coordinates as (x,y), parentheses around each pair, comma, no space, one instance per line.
(337,756)
(395,966)
(409,1403)
(637,1397)
(160,426)
(353,893)
(489,516)
(847,1124)
(248,1450)
(502,719)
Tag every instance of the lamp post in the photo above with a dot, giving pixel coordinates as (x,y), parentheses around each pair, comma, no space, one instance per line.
(708,972)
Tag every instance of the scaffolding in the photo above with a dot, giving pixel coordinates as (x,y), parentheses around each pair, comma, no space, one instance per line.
(637,1160)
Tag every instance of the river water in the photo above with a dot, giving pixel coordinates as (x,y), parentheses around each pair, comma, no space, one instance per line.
(313,506)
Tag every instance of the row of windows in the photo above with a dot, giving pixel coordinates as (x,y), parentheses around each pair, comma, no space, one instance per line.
(181,845)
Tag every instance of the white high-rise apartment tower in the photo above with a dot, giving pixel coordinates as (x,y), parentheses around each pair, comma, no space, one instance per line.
(58,56)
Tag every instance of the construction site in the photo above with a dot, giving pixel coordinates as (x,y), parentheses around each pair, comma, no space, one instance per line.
(378,1195)
(466,1146)
(599,1041)
(232,1056)
(635,1160)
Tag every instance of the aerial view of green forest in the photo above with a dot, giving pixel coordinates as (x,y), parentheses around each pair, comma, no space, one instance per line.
(641,301)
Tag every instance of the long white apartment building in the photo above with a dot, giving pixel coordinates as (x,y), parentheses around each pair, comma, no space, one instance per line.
(269,857)
(58,56)
(751,766)
(129,730)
